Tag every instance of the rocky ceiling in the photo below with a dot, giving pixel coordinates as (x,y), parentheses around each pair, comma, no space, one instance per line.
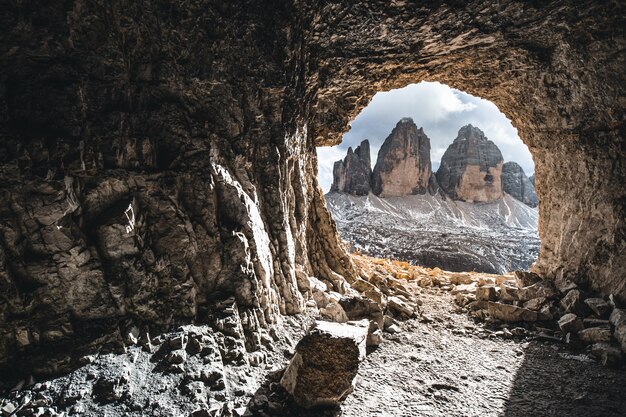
(157,157)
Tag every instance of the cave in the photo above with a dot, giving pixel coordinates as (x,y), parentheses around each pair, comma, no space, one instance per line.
(203,117)
(436,177)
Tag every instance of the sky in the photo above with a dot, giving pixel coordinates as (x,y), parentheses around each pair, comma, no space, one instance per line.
(440,110)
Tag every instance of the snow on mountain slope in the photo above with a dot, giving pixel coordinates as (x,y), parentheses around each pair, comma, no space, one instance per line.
(434,231)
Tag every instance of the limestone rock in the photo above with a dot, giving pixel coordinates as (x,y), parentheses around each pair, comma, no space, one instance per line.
(595,335)
(403,165)
(516,184)
(570,323)
(510,313)
(326,361)
(486,293)
(353,174)
(573,302)
(334,312)
(471,167)
(525,278)
(598,306)
(607,354)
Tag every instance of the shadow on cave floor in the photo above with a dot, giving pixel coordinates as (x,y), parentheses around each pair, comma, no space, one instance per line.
(565,384)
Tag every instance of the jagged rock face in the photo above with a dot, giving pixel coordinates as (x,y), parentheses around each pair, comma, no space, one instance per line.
(204,120)
(471,167)
(403,165)
(517,184)
(148,171)
(354,173)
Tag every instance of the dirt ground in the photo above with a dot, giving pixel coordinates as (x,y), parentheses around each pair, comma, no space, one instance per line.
(443,364)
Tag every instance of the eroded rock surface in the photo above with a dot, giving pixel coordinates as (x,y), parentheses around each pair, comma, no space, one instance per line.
(403,165)
(471,167)
(353,174)
(204,119)
(326,361)
(517,184)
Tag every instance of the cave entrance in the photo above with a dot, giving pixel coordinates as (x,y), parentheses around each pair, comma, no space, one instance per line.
(436,177)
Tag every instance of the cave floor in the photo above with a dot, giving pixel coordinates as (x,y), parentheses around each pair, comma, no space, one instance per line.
(443,364)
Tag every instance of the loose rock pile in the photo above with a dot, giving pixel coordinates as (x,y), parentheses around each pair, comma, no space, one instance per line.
(523,305)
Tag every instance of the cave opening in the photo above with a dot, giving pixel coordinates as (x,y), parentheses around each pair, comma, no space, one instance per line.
(436,177)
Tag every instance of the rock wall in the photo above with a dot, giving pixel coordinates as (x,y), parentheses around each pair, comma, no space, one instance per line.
(158,156)
(149,171)
(353,174)
(471,167)
(516,183)
(403,164)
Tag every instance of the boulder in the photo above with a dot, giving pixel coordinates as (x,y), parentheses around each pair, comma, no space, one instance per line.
(525,278)
(600,307)
(573,302)
(471,167)
(595,335)
(403,165)
(322,371)
(543,289)
(509,313)
(487,293)
(334,312)
(353,174)
(517,185)
(570,323)
(400,306)
(607,354)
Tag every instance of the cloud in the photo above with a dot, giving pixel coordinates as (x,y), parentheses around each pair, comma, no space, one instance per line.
(440,110)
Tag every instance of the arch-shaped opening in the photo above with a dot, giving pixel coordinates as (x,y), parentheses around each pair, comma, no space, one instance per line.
(436,177)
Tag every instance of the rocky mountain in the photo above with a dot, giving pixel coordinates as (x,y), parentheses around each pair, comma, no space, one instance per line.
(353,174)
(403,165)
(517,184)
(435,231)
(471,167)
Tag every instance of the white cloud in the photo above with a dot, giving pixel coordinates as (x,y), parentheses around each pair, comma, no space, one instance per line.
(440,110)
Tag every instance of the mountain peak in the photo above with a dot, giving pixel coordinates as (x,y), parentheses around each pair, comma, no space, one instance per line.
(403,165)
(471,132)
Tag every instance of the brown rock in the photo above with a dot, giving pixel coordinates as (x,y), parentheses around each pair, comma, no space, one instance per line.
(543,289)
(595,335)
(525,278)
(322,371)
(403,164)
(487,293)
(607,354)
(353,174)
(471,167)
(573,302)
(570,323)
(509,313)
(598,306)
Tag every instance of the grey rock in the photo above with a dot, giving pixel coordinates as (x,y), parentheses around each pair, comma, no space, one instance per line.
(618,321)
(525,278)
(510,313)
(607,354)
(570,323)
(516,184)
(595,335)
(353,174)
(573,302)
(403,165)
(471,167)
(598,306)
(333,347)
